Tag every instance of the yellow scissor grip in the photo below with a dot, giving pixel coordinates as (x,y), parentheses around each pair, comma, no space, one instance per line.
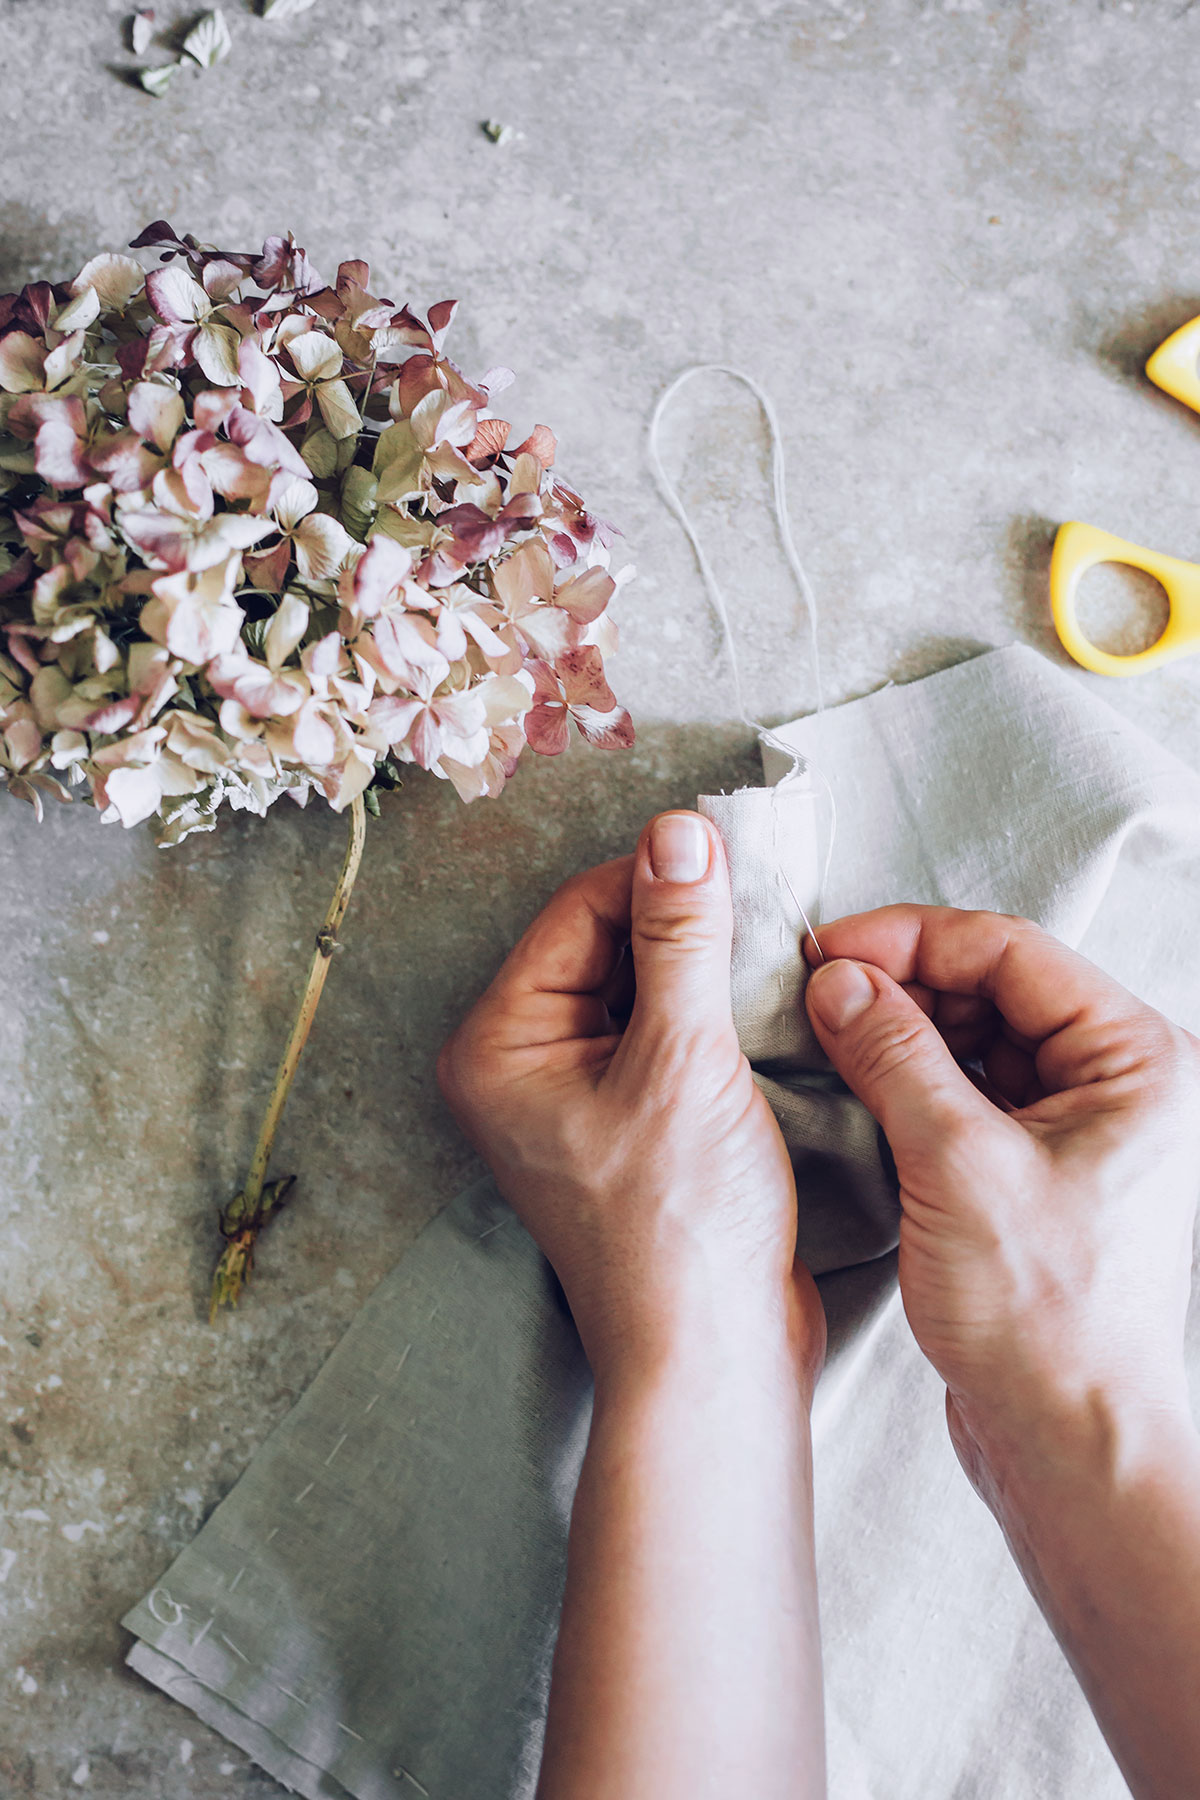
(1173,365)
(1078,548)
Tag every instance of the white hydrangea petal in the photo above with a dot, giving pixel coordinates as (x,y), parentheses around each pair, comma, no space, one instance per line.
(294,502)
(116,279)
(322,546)
(288,625)
(317,357)
(216,350)
(338,409)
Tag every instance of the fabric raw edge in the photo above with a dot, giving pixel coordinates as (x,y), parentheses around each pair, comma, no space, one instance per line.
(261,1745)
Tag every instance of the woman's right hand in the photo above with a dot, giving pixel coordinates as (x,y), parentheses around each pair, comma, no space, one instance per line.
(1045,1246)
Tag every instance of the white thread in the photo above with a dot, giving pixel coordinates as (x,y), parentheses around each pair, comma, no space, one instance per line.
(778,475)
(348,1732)
(717,598)
(303,1492)
(236,1579)
(404,1358)
(370,1403)
(291,1696)
(203,1632)
(336,1448)
(233,1646)
(272,1533)
(403,1772)
(490,1229)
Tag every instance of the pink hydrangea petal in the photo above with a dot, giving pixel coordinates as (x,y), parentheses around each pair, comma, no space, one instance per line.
(526,575)
(395,714)
(156,412)
(175,297)
(586,596)
(546,729)
(268,572)
(124,462)
(540,443)
(490,438)
(59,449)
(549,632)
(581,672)
(323,658)
(313,737)
(380,574)
(612,730)
(474,536)
(264,443)
(210,408)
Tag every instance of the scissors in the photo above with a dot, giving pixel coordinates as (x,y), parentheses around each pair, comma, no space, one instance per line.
(1079,547)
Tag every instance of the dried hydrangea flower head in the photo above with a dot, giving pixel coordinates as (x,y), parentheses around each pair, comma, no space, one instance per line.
(258,535)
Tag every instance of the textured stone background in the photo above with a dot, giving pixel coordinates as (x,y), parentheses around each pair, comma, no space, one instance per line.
(946,236)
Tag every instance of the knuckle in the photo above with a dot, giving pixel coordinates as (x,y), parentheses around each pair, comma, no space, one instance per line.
(676,928)
(887,1046)
(1021,925)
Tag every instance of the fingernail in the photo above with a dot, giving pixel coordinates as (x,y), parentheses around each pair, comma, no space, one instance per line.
(838,992)
(679,847)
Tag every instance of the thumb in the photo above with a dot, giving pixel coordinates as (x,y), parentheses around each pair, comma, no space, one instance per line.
(681,925)
(894,1058)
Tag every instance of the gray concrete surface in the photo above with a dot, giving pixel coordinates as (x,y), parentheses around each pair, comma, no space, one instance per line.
(945,235)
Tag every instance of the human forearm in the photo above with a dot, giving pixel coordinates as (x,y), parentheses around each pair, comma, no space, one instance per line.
(644,1160)
(689,1661)
(1102,1513)
(1045,1254)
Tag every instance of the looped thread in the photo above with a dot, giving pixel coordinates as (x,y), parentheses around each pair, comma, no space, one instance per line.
(717,598)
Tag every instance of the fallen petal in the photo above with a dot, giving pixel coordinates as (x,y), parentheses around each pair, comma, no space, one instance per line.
(208,41)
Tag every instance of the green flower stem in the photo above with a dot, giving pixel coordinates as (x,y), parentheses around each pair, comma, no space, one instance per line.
(259,1200)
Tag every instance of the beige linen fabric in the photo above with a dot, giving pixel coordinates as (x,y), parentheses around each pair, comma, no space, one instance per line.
(371,1611)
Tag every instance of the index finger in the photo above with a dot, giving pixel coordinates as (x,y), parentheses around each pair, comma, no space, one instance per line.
(1035,982)
(549,986)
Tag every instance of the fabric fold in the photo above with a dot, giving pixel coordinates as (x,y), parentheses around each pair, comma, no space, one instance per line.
(371,1611)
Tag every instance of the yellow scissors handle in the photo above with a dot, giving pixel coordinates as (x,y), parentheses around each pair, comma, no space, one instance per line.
(1173,365)
(1078,548)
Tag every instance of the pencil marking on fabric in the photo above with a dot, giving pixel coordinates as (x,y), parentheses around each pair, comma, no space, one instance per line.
(162,1618)
(303,1491)
(336,1448)
(370,1404)
(348,1732)
(236,1579)
(233,1647)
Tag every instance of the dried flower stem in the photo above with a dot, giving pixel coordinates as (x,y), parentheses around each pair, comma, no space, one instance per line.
(259,1200)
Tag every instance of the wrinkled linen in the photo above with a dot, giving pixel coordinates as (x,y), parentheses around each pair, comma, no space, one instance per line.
(371,1611)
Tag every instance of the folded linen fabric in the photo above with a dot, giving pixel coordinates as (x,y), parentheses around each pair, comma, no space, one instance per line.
(371,1611)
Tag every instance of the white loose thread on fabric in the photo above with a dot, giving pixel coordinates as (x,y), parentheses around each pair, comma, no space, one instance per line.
(713,588)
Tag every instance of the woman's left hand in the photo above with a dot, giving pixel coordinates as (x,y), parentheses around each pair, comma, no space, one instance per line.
(641,1156)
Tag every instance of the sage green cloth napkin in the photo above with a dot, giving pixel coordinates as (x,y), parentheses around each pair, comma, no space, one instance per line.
(371,1611)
